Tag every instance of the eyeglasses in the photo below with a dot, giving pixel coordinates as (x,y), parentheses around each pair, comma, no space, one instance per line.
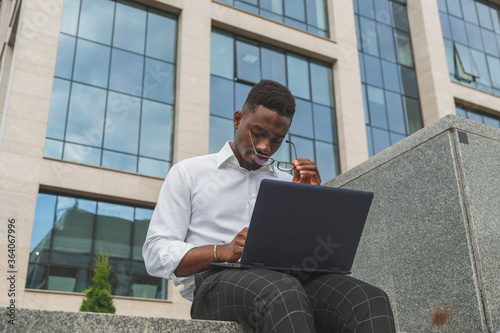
(265,160)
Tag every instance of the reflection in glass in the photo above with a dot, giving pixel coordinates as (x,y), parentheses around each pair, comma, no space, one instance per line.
(222,131)
(483,12)
(405,56)
(409,82)
(491,45)
(454,7)
(474,34)
(121,130)
(273,65)
(385,37)
(247,61)
(391,77)
(326,161)
(42,227)
(82,154)
(141,223)
(96,20)
(480,61)
(302,123)
(470,13)
(494,64)
(153,168)
(323,123)
(65,55)
(52,149)
(221,97)
(275,6)
(126,72)
(58,108)
(130,26)
(395,112)
(376,104)
(298,76)
(295,9)
(399,16)
(373,71)
(322,84)
(161,45)
(305,147)
(316,13)
(69,21)
(159,80)
(156,130)
(222,54)
(369,36)
(458,30)
(119,161)
(380,139)
(240,95)
(413,113)
(114,226)
(92,63)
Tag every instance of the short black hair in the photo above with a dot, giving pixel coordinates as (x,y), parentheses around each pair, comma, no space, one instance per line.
(271,95)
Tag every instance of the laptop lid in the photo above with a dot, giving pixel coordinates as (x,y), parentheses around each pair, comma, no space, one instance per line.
(305,227)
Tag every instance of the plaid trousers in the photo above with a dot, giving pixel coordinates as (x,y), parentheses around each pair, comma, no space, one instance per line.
(271,301)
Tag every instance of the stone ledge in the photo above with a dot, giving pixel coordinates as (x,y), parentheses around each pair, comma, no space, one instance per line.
(44,321)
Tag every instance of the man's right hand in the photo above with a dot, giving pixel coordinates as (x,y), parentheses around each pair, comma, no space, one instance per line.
(231,252)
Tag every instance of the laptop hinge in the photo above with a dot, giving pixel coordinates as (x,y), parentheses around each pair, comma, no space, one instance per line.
(336,269)
(258,265)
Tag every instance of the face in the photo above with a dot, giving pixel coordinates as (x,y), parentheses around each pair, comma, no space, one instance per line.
(268,130)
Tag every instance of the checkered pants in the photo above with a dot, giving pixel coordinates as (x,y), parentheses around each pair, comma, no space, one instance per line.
(271,301)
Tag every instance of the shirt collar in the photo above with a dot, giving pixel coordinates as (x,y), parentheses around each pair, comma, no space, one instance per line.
(226,156)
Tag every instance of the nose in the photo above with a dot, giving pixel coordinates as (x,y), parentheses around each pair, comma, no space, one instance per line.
(264,146)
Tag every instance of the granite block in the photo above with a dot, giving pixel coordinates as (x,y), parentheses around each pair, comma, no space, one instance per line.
(43,321)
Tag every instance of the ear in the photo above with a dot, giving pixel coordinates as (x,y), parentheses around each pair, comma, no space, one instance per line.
(238,116)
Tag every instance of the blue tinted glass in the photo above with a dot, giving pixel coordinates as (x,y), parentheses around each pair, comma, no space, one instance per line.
(295,23)
(475,117)
(381,140)
(69,21)
(156,130)
(113,229)
(122,117)
(490,45)
(370,140)
(305,147)
(470,13)
(119,161)
(373,71)
(495,14)
(391,77)
(153,168)
(221,97)
(450,55)
(461,112)
(366,8)
(458,30)
(86,115)
(395,112)
(247,62)
(442,5)
(273,65)
(400,17)
(283,153)
(58,109)
(474,34)
(161,45)
(480,61)
(358,32)
(295,9)
(126,72)
(405,55)
(246,7)
(302,123)
(316,13)
(96,20)
(413,114)
(376,104)
(91,63)
(275,6)
(44,221)
(82,154)
(65,55)
(221,130)
(386,40)
(454,7)
(130,27)
(409,82)
(382,11)
(322,83)
(395,138)
(466,59)
(324,122)
(222,54)
(141,223)
(298,76)
(369,36)
(365,103)
(362,66)
(325,160)
(491,121)
(494,64)
(445,25)
(159,80)
(271,16)
(52,149)
(483,12)
(240,95)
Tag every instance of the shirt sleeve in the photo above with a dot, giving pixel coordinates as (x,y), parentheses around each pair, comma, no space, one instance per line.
(165,244)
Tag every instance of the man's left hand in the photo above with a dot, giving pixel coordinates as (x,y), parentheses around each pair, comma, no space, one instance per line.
(306,172)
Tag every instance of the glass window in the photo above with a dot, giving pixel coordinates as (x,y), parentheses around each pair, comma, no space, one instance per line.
(491,45)
(381,140)
(483,12)
(391,77)
(395,113)
(67,233)
(369,36)
(302,123)
(222,130)
(405,56)
(295,9)
(386,41)
(321,84)
(454,8)
(373,71)
(108,73)
(409,82)
(494,64)
(474,36)
(298,76)
(222,54)
(376,105)
(273,65)
(470,13)
(316,13)
(222,97)
(247,61)
(478,116)
(399,16)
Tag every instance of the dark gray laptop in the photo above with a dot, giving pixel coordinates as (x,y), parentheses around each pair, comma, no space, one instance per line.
(297,227)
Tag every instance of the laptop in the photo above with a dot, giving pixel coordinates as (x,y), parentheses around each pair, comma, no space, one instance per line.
(298,227)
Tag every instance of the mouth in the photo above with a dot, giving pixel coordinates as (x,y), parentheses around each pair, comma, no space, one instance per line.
(259,159)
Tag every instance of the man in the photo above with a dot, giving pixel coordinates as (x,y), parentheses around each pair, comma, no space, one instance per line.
(202,215)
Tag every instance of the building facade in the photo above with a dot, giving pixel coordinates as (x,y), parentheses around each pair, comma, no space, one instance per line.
(99,98)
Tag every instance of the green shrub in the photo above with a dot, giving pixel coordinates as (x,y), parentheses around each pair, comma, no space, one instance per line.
(98,296)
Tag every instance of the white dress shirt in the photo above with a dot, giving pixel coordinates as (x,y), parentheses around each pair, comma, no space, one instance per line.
(204,200)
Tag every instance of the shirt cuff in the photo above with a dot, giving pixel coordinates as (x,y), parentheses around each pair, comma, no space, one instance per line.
(171,256)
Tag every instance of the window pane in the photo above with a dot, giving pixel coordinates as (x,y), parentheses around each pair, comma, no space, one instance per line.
(400,17)
(121,130)
(298,76)
(119,161)
(413,114)
(474,35)
(395,112)
(222,54)
(369,36)
(366,8)
(295,9)
(161,45)
(153,168)
(370,141)
(96,20)
(114,226)
(52,149)
(491,45)
(221,130)
(470,13)
(68,279)
(82,154)
(395,138)
(86,115)
(316,13)
(302,123)
(490,121)
(480,61)
(36,277)
(156,130)
(454,7)
(141,224)
(69,21)
(247,62)
(376,103)
(450,55)
(130,26)
(325,161)
(391,77)
(445,25)
(273,65)
(387,49)
(381,140)
(483,12)
(159,81)
(461,112)
(305,147)
(409,82)
(91,63)
(458,30)
(382,11)
(322,84)
(324,122)
(126,72)
(494,64)
(241,92)
(221,97)
(405,56)
(58,109)
(373,71)
(466,60)
(42,228)
(274,6)
(65,55)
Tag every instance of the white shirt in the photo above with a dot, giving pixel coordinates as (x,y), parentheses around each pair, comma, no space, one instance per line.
(204,200)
